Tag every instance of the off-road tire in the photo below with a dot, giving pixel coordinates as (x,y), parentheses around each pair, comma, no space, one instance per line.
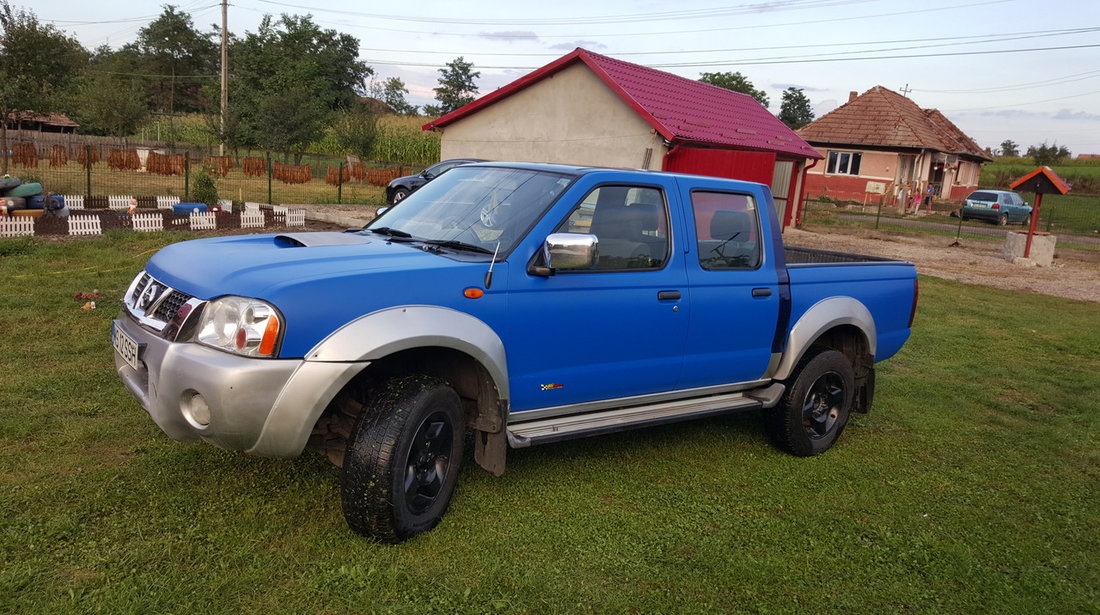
(815,407)
(403,458)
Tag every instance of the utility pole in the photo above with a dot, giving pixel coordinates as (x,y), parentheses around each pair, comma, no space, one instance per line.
(225,74)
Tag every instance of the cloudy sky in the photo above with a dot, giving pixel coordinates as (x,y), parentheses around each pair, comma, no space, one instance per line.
(1000,69)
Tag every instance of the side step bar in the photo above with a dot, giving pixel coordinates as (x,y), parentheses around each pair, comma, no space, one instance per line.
(557,429)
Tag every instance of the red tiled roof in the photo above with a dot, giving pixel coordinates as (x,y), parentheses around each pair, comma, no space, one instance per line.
(882,117)
(680,109)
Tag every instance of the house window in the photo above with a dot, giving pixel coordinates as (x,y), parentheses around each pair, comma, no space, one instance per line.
(843,163)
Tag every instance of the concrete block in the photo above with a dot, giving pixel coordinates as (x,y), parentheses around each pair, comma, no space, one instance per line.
(1042,247)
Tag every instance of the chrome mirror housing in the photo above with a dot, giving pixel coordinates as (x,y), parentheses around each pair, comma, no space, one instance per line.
(570,250)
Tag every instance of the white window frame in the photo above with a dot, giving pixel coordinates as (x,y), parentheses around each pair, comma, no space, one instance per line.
(833,163)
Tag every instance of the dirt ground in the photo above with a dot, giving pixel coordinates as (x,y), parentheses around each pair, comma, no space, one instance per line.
(1074,274)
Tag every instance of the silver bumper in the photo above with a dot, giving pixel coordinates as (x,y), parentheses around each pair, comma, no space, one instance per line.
(262,406)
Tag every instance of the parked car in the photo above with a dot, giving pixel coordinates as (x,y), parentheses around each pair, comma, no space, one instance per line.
(1000,206)
(402,187)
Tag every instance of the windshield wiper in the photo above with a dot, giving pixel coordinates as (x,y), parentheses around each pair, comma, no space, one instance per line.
(458,245)
(390,232)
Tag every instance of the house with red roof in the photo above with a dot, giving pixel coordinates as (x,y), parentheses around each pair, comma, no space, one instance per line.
(589,109)
(881,142)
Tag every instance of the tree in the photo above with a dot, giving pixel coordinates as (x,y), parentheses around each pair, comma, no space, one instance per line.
(795,111)
(178,59)
(37,61)
(1010,148)
(736,82)
(108,104)
(392,92)
(289,77)
(1046,155)
(456,86)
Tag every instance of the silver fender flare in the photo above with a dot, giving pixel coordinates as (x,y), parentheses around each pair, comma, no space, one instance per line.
(338,358)
(382,333)
(821,317)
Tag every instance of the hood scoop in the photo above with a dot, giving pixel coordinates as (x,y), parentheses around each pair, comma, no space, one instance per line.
(322,238)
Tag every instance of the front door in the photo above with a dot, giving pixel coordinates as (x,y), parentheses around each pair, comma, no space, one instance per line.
(615,329)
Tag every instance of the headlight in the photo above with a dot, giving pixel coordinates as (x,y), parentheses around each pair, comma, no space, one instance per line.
(240,325)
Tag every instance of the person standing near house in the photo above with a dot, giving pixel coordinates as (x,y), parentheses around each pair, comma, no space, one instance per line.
(929,194)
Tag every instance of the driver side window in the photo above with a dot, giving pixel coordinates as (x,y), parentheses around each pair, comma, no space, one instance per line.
(631,224)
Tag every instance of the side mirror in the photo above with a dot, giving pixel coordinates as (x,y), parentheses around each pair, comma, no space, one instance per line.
(568,251)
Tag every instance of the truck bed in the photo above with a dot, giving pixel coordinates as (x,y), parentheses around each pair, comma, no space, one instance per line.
(811,256)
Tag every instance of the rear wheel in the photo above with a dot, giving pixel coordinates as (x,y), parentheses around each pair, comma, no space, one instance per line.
(1003,220)
(815,407)
(402,461)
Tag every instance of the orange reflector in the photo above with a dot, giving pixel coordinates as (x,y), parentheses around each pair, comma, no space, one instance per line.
(473,293)
(271,333)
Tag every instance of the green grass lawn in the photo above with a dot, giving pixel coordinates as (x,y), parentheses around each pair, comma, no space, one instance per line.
(971,488)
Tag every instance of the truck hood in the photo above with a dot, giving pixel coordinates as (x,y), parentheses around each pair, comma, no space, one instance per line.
(259,265)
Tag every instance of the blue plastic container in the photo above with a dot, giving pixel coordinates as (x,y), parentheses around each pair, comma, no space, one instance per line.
(184,209)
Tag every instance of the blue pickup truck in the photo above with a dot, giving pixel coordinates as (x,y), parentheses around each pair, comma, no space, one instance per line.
(522,303)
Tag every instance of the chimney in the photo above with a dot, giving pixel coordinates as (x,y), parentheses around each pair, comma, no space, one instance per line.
(852,96)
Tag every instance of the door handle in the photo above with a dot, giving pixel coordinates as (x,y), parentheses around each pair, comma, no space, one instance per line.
(761,292)
(668,295)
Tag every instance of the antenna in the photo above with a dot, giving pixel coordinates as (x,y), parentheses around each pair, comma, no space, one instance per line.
(905,91)
(489,273)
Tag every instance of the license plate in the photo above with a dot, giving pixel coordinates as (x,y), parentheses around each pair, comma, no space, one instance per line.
(126,347)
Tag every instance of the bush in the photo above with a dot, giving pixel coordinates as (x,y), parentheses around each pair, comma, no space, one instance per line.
(203,189)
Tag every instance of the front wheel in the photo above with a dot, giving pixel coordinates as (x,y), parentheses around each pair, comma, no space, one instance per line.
(815,407)
(1027,221)
(403,458)
(399,195)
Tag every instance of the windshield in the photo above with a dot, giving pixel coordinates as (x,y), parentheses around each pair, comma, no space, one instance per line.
(480,206)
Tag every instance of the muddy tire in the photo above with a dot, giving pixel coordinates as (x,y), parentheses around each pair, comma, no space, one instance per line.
(403,458)
(815,407)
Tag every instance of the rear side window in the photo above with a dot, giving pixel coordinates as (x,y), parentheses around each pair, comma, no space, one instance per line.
(727,230)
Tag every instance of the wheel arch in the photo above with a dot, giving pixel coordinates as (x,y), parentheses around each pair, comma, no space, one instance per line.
(435,341)
(838,323)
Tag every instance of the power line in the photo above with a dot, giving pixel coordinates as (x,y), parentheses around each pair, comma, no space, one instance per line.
(570,21)
(755,62)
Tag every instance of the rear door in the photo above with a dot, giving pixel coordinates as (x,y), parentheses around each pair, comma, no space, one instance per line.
(735,294)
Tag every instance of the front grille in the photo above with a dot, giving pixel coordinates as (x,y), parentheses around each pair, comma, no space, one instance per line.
(171,305)
(154,304)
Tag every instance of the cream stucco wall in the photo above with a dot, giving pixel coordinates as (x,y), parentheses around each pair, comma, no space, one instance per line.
(571,117)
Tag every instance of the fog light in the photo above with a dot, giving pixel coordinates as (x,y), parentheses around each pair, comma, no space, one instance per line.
(197,411)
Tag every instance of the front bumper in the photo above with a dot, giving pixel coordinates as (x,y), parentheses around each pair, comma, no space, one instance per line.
(262,406)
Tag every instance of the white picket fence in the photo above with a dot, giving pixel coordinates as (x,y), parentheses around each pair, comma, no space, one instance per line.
(11,226)
(166,202)
(203,221)
(85,225)
(73,201)
(296,217)
(117,201)
(148,222)
(252,218)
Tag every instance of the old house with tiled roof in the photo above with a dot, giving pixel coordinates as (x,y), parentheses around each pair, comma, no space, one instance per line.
(588,109)
(881,142)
